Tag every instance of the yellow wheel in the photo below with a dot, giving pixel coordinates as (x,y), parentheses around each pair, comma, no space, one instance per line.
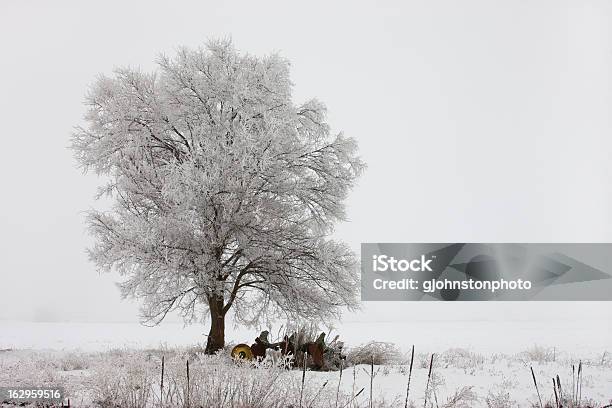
(242,352)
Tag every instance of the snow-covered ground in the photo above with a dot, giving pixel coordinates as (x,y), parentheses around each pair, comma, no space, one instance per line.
(499,381)
(493,358)
(587,337)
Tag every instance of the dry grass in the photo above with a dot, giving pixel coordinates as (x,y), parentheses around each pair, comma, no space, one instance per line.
(131,379)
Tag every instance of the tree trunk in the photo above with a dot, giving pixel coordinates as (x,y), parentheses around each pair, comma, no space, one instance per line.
(216,336)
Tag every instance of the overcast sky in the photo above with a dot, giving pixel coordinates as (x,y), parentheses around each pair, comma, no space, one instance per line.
(480,121)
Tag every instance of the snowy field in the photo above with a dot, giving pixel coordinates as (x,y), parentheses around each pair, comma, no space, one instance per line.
(481,364)
(460,378)
(589,337)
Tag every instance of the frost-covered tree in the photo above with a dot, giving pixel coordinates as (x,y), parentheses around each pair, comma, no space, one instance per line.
(225,192)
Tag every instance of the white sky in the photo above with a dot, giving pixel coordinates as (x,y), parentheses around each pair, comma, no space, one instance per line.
(481,121)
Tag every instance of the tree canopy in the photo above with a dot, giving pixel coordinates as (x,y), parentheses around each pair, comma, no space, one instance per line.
(225,191)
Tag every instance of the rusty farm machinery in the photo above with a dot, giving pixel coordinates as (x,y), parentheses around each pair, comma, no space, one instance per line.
(316,354)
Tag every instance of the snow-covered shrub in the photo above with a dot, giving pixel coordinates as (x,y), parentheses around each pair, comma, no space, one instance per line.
(422,360)
(127,384)
(26,368)
(538,354)
(461,358)
(381,353)
(74,361)
(464,397)
(499,399)
(606,359)
(499,395)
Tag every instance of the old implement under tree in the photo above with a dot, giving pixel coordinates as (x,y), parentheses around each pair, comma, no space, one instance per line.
(319,356)
(258,349)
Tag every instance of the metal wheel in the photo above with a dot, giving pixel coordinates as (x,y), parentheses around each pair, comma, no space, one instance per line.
(242,352)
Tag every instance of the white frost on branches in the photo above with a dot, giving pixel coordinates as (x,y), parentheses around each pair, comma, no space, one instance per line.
(225,192)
